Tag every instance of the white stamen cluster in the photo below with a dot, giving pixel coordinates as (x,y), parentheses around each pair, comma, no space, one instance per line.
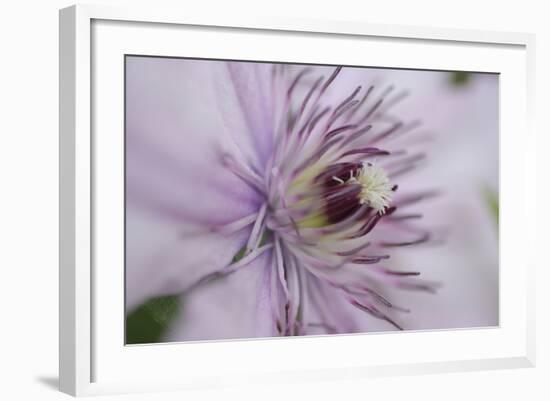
(376,188)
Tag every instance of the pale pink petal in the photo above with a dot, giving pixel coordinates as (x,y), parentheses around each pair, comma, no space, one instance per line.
(330,312)
(175,142)
(235,306)
(466,264)
(246,101)
(165,259)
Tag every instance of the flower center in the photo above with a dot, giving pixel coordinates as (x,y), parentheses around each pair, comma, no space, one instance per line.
(376,190)
(349,186)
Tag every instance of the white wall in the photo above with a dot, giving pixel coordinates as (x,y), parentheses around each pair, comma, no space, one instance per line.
(28,197)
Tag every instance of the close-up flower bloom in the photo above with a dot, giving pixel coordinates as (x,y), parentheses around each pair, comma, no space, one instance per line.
(284,200)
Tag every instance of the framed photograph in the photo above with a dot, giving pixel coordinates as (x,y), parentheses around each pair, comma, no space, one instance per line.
(261,201)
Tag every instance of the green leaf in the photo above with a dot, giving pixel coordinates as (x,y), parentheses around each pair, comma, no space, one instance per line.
(239,255)
(459,78)
(148,323)
(492,202)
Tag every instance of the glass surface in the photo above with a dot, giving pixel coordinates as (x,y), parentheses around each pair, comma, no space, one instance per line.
(270,199)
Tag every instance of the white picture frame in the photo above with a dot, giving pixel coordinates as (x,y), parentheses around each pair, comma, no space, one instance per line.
(512,344)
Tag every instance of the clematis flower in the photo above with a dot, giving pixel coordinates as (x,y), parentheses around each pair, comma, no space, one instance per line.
(271,198)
